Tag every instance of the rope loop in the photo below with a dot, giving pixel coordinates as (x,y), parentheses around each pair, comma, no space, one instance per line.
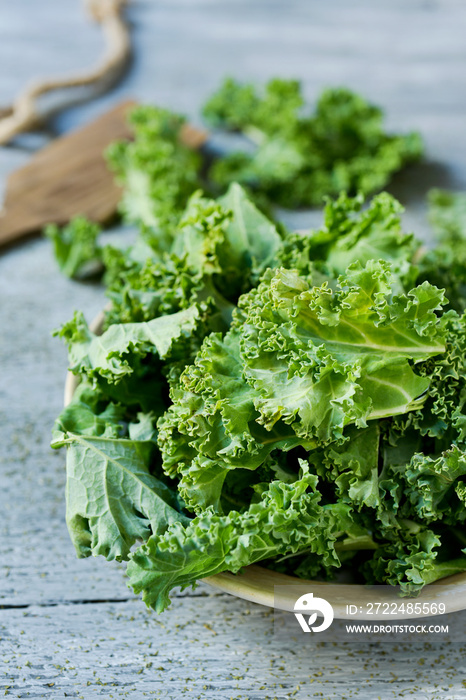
(24,113)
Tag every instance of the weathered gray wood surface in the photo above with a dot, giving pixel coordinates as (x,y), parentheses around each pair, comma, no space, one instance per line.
(61,633)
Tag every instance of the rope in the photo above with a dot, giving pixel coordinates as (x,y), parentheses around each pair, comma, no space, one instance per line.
(24,115)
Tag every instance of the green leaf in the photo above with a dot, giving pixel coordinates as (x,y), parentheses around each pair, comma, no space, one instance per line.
(353,465)
(299,364)
(441,421)
(409,562)
(445,265)
(320,360)
(109,355)
(350,235)
(302,157)
(228,240)
(433,486)
(447,214)
(112,499)
(232,106)
(75,247)
(287,519)
(157,171)
(251,239)
(206,430)
(89,413)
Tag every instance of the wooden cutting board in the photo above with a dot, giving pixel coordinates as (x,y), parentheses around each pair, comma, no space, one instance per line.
(69,177)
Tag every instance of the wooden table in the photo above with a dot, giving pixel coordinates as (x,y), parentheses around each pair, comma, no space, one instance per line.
(72,628)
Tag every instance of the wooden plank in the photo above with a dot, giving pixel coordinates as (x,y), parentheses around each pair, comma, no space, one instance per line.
(70,177)
(206,649)
(66,178)
(10,160)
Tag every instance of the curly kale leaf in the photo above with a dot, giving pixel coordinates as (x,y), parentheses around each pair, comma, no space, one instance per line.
(445,265)
(301,158)
(350,235)
(129,362)
(90,413)
(424,452)
(237,106)
(447,214)
(299,364)
(157,171)
(434,487)
(230,241)
(353,466)
(75,246)
(218,250)
(109,355)
(441,422)
(411,561)
(286,519)
(321,359)
(153,289)
(112,499)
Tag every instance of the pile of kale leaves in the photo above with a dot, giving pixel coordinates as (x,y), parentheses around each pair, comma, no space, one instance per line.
(261,395)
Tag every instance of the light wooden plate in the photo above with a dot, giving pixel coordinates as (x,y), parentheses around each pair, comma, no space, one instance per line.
(257,584)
